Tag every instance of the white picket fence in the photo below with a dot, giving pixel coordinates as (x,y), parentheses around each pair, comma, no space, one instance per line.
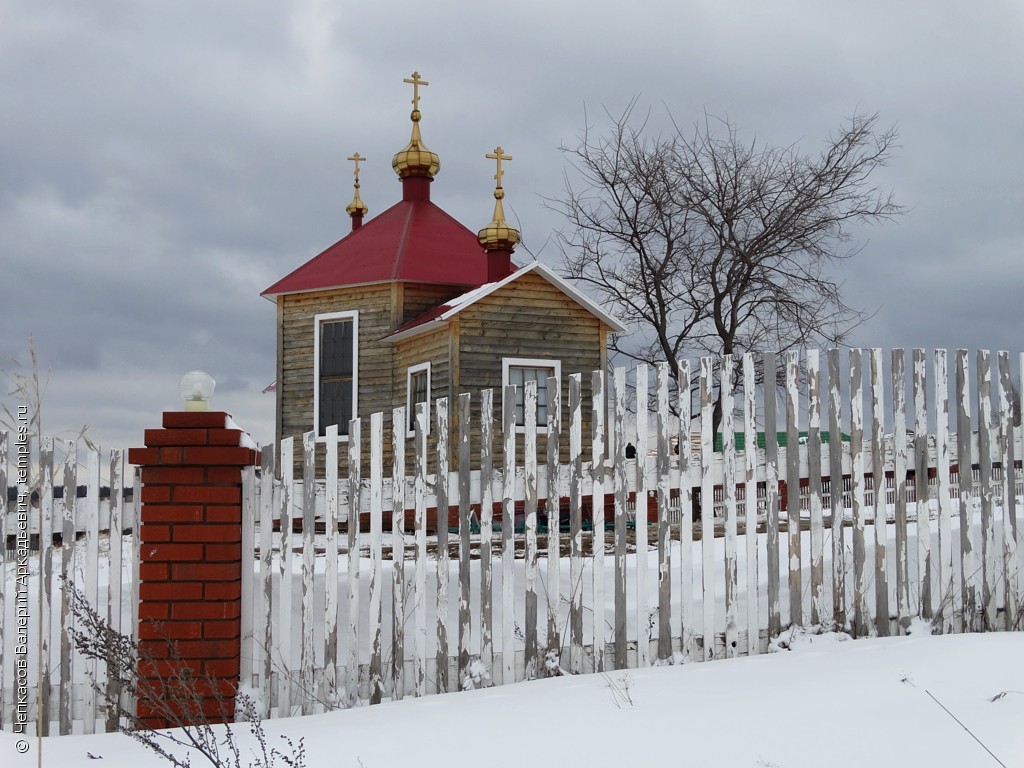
(357,623)
(330,622)
(68,528)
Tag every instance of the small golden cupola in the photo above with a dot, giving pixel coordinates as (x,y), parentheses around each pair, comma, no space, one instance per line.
(357,208)
(416,162)
(498,238)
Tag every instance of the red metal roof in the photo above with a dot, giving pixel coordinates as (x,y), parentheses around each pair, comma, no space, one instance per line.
(414,241)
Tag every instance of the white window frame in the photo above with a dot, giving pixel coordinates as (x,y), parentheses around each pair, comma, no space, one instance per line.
(409,405)
(530,362)
(318,321)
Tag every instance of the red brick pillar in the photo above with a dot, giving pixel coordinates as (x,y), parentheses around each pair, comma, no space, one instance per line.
(191,557)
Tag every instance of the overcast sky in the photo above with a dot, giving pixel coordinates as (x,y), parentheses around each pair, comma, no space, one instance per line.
(163,163)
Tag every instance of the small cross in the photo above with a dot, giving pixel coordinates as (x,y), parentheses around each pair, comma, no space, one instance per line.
(357,158)
(416,83)
(499,155)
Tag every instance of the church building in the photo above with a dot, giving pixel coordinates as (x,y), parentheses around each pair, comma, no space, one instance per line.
(411,306)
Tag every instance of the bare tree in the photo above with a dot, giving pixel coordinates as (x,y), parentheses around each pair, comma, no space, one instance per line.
(175,696)
(710,245)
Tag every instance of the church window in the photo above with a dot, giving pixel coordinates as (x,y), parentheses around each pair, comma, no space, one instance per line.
(417,391)
(337,370)
(518,371)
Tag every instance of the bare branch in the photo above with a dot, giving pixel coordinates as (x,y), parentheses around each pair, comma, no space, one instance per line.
(711,245)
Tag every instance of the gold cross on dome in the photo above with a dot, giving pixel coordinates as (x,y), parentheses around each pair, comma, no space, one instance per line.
(416,83)
(499,155)
(357,158)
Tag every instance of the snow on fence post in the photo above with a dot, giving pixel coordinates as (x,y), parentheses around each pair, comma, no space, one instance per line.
(191,518)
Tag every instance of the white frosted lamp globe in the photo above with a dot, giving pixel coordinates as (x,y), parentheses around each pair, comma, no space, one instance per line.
(196,389)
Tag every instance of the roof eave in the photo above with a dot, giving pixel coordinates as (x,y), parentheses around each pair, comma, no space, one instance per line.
(430,325)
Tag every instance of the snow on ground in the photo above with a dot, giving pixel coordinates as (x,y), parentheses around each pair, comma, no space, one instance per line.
(826,702)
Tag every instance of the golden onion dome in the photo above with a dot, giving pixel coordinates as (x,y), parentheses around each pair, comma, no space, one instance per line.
(498,235)
(416,159)
(357,207)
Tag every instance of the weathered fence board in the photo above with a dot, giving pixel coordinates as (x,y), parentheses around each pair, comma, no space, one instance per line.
(306,619)
(443,502)
(817,558)
(643,624)
(575,524)
(729,511)
(924,565)
(399,425)
(598,412)
(878,491)
(486,529)
(750,501)
(899,432)
(793,487)
(664,517)
(552,512)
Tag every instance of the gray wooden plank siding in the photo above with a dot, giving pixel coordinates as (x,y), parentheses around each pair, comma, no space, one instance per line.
(529,318)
